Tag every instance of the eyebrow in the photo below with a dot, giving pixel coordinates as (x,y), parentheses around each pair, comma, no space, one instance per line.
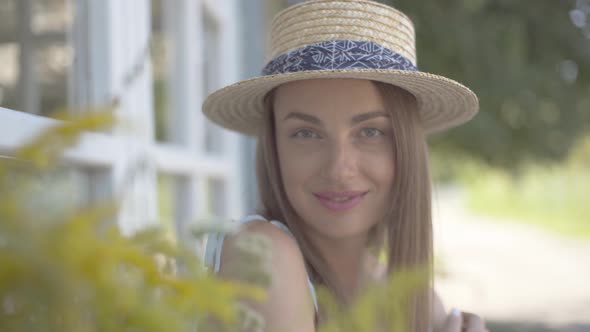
(303,117)
(355,119)
(368,116)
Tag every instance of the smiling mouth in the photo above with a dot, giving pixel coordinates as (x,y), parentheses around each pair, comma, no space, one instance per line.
(340,201)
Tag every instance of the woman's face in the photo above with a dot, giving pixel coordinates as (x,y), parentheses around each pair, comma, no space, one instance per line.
(334,141)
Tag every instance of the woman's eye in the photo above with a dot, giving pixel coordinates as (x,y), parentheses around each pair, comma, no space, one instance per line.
(371,132)
(305,134)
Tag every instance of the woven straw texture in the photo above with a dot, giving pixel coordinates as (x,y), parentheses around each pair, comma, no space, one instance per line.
(442,103)
(306,24)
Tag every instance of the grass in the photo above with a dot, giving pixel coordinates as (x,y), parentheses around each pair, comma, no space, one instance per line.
(498,326)
(555,197)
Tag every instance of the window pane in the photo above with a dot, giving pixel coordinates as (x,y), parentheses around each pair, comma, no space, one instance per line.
(50,196)
(160,53)
(61,192)
(216,197)
(211,72)
(35,54)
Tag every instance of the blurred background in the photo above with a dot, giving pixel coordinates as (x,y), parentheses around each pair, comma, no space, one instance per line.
(512,188)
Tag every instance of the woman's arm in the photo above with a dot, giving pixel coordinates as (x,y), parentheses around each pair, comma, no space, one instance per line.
(289,306)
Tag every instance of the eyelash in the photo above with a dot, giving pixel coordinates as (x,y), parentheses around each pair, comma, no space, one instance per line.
(298,133)
(379,132)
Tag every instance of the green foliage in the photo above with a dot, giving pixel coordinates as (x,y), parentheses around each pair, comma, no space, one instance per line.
(381,307)
(527,63)
(80,273)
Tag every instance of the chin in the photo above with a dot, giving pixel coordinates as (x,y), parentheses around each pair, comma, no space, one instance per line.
(340,226)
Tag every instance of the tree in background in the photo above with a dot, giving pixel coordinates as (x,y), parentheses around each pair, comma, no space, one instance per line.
(528,62)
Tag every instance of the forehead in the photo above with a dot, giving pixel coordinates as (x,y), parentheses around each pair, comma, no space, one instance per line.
(325,95)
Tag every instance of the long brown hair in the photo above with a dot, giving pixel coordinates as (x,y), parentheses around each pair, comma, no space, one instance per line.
(405,234)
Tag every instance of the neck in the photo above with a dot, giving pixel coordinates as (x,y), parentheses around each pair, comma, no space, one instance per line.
(346,259)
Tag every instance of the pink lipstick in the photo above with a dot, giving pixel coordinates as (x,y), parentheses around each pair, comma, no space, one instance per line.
(340,201)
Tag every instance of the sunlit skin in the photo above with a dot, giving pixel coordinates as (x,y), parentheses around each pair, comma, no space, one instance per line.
(335,136)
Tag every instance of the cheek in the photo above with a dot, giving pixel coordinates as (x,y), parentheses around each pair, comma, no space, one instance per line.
(297,172)
(381,168)
(298,165)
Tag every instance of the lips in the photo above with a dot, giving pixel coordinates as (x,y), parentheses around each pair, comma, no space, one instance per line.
(339,201)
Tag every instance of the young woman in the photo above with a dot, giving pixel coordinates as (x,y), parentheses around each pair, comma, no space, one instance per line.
(341,114)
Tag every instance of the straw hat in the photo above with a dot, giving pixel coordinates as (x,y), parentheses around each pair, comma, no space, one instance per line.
(342,39)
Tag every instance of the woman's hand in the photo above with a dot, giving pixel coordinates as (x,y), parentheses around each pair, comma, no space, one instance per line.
(458,321)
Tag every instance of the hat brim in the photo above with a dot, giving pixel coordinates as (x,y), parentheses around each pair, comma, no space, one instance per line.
(442,102)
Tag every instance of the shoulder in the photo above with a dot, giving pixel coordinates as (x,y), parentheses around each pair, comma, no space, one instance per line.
(280,250)
(288,298)
(280,247)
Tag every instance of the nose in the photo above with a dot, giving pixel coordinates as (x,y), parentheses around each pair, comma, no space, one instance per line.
(340,164)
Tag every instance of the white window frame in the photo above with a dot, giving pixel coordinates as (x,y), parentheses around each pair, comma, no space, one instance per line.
(119,33)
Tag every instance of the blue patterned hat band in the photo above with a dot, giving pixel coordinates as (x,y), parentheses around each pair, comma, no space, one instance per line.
(338,54)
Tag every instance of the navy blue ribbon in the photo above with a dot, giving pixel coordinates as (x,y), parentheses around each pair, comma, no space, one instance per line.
(338,54)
